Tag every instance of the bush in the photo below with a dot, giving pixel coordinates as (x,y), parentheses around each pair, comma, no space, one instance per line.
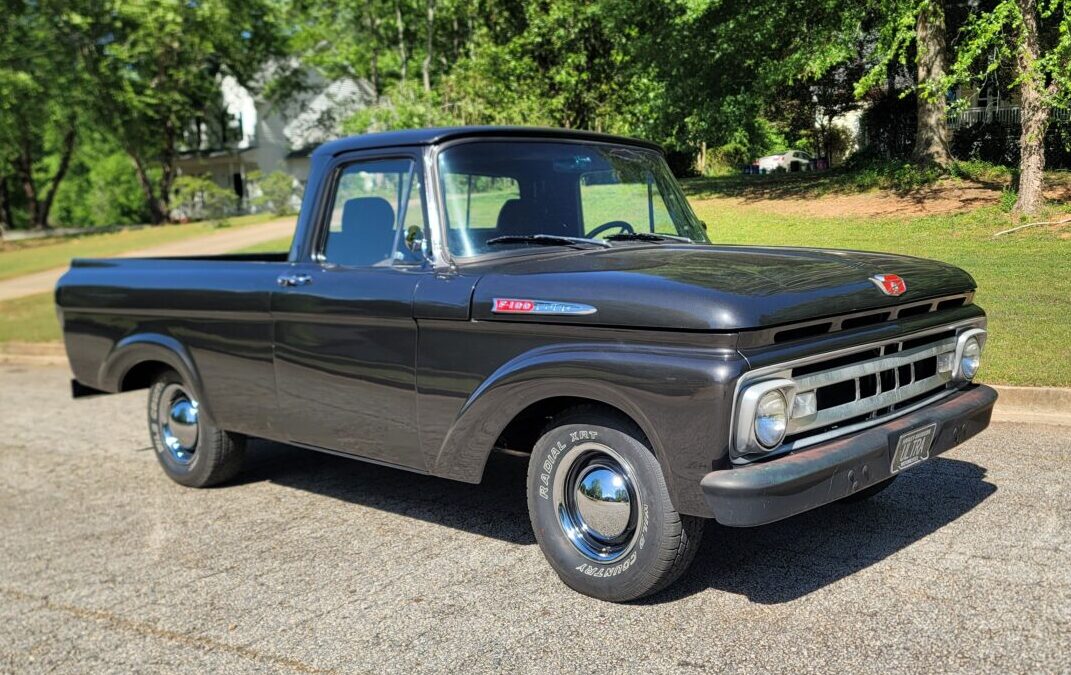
(1008,197)
(100,189)
(867,173)
(981,171)
(198,198)
(276,192)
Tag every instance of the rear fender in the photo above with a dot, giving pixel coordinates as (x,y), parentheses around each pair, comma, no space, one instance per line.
(142,347)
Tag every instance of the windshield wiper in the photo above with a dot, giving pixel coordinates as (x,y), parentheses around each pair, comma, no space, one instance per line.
(647,236)
(545,240)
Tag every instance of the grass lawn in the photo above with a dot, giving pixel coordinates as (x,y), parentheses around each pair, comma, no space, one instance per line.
(273,246)
(35,255)
(29,319)
(1023,278)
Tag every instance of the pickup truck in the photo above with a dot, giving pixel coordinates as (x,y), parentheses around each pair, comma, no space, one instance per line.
(450,293)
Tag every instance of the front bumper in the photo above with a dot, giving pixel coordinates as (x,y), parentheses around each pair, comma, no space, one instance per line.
(769,491)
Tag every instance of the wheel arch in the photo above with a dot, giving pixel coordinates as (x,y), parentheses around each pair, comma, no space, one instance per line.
(671,394)
(135,361)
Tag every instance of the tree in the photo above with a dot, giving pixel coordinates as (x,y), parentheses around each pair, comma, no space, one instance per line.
(901,25)
(931,135)
(1035,40)
(155,64)
(40,96)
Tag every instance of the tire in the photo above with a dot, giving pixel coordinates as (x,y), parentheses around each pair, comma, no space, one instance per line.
(191,450)
(868,492)
(623,547)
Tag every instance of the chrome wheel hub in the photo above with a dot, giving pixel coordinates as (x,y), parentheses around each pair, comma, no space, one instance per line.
(177,414)
(595,496)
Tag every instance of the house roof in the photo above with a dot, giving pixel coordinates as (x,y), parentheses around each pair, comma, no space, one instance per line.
(443,134)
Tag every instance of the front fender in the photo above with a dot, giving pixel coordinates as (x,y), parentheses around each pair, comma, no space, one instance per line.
(680,397)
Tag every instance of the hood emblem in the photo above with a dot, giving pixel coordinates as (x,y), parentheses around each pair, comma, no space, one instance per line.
(890,284)
(525,306)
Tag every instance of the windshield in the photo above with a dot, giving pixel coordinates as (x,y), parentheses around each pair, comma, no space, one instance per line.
(499,194)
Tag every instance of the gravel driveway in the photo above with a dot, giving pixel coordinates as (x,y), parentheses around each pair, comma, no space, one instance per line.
(312,563)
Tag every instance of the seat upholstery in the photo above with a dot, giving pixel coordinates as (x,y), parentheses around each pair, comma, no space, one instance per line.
(367,235)
(516,217)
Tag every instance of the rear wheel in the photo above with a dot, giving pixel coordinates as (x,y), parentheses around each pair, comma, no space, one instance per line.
(191,450)
(601,511)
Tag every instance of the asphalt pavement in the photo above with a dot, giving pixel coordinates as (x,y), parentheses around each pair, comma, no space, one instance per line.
(313,563)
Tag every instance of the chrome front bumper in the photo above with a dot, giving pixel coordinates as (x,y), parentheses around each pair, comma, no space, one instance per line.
(764,492)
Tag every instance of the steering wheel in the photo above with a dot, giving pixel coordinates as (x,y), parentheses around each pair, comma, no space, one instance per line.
(619,224)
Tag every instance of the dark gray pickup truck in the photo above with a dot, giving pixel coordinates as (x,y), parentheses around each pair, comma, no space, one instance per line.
(454,292)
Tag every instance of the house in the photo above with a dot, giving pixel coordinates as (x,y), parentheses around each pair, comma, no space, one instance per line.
(243,133)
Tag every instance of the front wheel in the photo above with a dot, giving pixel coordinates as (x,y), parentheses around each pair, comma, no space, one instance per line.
(601,511)
(191,450)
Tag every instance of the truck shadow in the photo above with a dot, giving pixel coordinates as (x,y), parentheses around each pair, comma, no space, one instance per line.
(495,508)
(790,559)
(772,564)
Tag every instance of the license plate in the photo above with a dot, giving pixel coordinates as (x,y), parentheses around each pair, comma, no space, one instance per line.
(912,448)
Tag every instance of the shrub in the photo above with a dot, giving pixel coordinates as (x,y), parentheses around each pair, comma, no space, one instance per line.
(275,192)
(1008,197)
(198,197)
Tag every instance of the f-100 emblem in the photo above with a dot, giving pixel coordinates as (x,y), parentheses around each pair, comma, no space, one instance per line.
(526,306)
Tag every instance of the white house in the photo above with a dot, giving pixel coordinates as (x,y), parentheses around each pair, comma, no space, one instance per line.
(247,134)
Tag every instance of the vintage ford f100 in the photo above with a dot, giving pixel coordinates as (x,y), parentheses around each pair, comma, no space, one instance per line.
(453,292)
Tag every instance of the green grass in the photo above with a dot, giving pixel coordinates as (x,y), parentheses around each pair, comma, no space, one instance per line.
(1023,280)
(273,246)
(29,319)
(36,255)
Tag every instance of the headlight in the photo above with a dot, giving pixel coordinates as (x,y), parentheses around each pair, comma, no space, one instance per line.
(970,359)
(761,418)
(968,356)
(771,419)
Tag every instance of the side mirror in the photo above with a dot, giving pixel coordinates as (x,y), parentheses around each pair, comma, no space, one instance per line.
(414,240)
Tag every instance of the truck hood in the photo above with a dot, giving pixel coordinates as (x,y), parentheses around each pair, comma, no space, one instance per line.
(706,288)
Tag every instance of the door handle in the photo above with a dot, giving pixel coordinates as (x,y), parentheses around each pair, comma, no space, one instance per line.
(290,280)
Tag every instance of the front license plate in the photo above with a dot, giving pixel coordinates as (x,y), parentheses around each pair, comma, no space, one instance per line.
(912,448)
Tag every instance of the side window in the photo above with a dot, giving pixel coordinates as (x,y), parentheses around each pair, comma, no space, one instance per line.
(376,203)
(607,196)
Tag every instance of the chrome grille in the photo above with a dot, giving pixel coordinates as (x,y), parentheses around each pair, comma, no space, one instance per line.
(837,393)
(884,378)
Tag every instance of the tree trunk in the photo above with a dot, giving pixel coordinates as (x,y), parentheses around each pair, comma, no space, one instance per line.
(430,46)
(931,131)
(7,217)
(167,170)
(403,46)
(1034,110)
(45,207)
(24,170)
(156,214)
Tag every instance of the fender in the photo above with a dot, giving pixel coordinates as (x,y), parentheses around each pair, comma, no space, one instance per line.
(141,347)
(671,393)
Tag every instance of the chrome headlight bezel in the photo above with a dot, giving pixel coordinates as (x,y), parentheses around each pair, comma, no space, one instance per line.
(977,335)
(747,443)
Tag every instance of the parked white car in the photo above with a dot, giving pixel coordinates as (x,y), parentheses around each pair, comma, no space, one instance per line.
(789,160)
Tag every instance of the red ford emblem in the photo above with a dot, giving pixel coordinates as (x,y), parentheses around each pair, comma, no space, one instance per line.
(890,284)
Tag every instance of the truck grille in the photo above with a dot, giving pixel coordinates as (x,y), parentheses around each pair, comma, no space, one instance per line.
(868,384)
